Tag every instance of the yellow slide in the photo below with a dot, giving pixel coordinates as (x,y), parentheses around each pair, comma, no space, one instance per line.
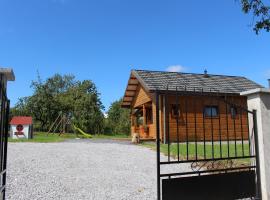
(82,132)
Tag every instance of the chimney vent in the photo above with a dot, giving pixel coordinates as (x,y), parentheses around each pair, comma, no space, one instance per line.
(206,74)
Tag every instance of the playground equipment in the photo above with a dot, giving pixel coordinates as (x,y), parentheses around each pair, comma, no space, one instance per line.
(82,132)
(61,123)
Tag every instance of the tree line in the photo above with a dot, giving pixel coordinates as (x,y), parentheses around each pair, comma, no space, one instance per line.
(79,100)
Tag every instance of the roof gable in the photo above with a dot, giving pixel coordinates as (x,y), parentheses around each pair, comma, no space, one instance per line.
(21,120)
(141,97)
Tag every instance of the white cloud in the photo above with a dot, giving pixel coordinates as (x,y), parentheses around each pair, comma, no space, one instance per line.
(176,68)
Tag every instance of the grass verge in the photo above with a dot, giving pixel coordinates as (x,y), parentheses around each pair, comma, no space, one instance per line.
(41,137)
(207,152)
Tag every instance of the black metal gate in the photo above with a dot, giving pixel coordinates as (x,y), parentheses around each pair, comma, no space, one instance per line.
(210,144)
(4,127)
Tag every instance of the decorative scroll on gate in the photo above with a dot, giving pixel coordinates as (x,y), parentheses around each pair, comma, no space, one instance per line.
(214,137)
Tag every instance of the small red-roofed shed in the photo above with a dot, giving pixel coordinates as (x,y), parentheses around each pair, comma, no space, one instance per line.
(21,127)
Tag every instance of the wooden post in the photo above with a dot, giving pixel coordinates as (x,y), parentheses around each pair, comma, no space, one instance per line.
(132,121)
(144,116)
(64,123)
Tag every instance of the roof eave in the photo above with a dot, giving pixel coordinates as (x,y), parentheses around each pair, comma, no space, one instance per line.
(141,81)
(194,92)
(8,73)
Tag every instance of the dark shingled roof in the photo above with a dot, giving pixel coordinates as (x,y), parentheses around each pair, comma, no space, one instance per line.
(157,80)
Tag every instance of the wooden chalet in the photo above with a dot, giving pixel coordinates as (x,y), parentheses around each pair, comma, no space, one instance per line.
(187,102)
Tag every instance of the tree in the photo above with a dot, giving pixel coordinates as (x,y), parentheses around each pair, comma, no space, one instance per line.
(260,12)
(21,108)
(87,107)
(44,105)
(78,100)
(118,120)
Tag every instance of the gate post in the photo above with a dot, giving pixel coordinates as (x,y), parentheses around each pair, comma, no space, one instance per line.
(158,145)
(259,100)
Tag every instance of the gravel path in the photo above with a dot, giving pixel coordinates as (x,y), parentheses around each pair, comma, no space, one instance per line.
(96,170)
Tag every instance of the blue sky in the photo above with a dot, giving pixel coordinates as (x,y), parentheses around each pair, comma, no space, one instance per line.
(103,40)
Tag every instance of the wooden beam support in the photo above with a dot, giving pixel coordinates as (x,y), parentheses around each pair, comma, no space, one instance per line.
(144,115)
(132,87)
(133,84)
(128,98)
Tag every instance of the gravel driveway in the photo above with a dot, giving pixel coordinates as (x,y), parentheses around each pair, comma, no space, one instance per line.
(80,169)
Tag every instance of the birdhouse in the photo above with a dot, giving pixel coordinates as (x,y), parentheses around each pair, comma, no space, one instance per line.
(21,127)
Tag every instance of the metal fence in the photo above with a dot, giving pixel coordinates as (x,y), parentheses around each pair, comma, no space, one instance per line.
(214,137)
(4,127)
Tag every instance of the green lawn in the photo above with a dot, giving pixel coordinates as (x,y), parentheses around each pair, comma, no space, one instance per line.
(43,138)
(200,150)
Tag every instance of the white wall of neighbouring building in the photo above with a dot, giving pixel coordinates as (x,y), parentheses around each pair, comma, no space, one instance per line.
(26,131)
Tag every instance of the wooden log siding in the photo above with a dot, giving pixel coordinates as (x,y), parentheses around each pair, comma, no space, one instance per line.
(141,97)
(201,102)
